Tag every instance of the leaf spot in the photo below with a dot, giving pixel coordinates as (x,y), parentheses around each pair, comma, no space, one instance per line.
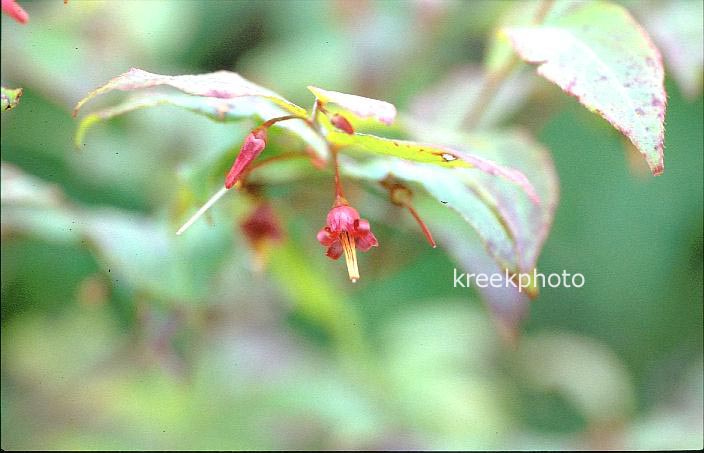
(447,157)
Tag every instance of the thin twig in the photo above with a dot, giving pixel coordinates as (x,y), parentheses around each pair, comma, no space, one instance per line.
(496,79)
(283,156)
(273,121)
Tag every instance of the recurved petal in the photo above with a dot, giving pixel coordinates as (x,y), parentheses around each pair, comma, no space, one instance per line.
(363,226)
(325,237)
(366,240)
(335,250)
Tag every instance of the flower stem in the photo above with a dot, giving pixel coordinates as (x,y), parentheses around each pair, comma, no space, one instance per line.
(273,121)
(283,156)
(423,227)
(338,185)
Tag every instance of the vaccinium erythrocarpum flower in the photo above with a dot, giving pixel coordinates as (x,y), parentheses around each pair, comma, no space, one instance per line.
(262,229)
(343,233)
(252,147)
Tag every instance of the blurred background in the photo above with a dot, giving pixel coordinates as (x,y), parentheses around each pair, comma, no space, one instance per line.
(118,335)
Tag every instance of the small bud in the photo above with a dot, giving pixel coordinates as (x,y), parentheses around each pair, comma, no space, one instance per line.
(341,123)
(12,9)
(251,148)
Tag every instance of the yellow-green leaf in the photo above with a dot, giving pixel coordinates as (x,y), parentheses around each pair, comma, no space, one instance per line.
(431,154)
(360,106)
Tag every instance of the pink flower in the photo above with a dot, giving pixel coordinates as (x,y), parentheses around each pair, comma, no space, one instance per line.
(262,225)
(344,232)
(251,148)
(341,123)
(12,9)
(262,229)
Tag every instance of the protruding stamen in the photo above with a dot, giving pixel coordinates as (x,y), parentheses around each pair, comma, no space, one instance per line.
(350,255)
(202,210)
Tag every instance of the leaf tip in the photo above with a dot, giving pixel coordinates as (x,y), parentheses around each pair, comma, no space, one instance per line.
(313,89)
(658,169)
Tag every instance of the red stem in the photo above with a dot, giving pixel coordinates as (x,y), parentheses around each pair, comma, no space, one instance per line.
(425,229)
(273,121)
(338,185)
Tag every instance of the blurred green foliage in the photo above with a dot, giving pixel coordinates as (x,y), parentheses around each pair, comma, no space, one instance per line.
(183,345)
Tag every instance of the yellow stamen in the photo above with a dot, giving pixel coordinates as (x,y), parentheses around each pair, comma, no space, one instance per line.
(350,255)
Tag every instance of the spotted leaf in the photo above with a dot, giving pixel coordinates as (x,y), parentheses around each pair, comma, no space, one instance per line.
(598,53)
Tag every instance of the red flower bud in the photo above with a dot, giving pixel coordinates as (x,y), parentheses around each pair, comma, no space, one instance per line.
(251,148)
(344,232)
(341,123)
(12,9)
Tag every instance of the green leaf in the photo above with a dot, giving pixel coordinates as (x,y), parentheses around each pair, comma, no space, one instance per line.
(146,252)
(507,306)
(213,85)
(566,363)
(509,227)
(517,13)
(528,222)
(360,106)
(599,54)
(19,188)
(676,27)
(31,206)
(10,98)
(512,227)
(141,252)
(217,109)
(432,154)
(448,102)
(446,186)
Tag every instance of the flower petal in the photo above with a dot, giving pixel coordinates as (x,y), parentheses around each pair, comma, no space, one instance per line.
(335,250)
(12,9)
(262,224)
(366,240)
(342,218)
(325,237)
(251,148)
(362,226)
